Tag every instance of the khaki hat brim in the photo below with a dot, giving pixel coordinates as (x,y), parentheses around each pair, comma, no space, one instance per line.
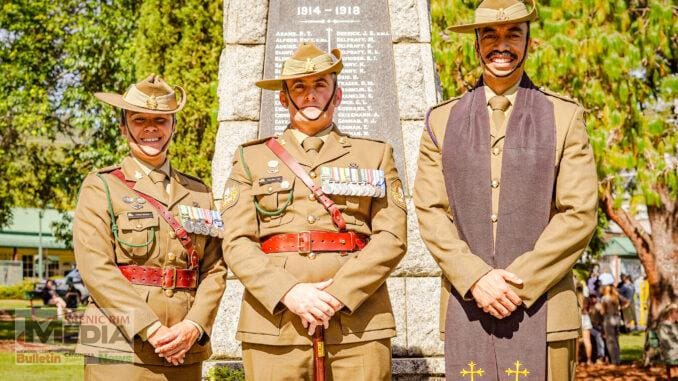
(470,28)
(116,100)
(276,84)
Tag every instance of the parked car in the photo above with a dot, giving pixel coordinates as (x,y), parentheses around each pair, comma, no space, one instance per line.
(62,286)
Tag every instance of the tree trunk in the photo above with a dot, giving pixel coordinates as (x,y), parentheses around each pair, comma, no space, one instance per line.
(658,251)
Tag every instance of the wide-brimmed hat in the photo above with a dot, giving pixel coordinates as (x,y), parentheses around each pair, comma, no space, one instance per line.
(152,95)
(306,61)
(498,12)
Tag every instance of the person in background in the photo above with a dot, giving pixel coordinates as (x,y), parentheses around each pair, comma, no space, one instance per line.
(609,307)
(50,297)
(596,328)
(586,325)
(627,291)
(592,282)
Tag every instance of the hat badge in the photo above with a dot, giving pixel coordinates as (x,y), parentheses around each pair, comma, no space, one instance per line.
(152,103)
(501,15)
(310,66)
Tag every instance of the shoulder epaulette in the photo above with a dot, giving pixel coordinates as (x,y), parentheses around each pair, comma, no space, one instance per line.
(443,103)
(559,96)
(108,169)
(256,141)
(194,178)
(365,138)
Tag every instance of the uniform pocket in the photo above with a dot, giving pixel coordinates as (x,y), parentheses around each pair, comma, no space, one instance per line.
(254,318)
(354,209)
(374,314)
(273,200)
(137,237)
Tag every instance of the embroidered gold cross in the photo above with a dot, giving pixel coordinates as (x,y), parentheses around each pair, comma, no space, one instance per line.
(517,372)
(472,372)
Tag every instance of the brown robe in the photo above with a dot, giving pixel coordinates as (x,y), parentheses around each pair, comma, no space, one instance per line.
(528,176)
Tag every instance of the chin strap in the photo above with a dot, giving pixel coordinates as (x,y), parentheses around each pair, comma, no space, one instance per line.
(520,64)
(289,97)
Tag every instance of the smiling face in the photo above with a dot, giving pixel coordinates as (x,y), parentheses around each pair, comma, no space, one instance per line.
(502,49)
(311,94)
(148,135)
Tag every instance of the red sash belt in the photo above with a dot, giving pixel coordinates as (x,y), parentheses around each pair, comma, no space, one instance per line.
(167,278)
(314,241)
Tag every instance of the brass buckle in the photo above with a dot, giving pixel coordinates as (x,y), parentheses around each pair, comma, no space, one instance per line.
(164,278)
(306,247)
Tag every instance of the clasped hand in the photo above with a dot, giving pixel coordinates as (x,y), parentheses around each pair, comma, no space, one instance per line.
(172,343)
(312,304)
(493,294)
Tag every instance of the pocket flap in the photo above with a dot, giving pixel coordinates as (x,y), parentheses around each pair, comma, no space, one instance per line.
(261,187)
(137,221)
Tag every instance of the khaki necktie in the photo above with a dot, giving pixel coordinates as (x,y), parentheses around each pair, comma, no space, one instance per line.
(158,176)
(312,145)
(499,104)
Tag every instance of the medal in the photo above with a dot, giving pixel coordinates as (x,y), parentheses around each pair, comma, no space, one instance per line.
(273,166)
(185,218)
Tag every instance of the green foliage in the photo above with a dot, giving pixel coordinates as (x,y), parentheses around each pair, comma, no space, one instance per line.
(53,56)
(16,291)
(616,57)
(182,40)
(224,373)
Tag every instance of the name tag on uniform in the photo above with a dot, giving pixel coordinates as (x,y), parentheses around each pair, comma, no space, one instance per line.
(270,180)
(139,215)
(350,181)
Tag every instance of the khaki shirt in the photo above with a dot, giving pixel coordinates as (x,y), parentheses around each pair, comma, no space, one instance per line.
(98,255)
(359,277)
(547,268)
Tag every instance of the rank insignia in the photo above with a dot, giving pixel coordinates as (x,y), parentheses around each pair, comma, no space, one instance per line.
(397,194)
(231,195)
(138,175)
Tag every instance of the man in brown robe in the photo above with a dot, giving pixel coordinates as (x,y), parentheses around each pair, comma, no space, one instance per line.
(506,197)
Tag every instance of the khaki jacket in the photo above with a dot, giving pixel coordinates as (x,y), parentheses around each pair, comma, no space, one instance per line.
(132,307)
(547,268)
(359,277)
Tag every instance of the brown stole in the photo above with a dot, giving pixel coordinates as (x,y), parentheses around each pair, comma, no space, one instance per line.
(527,181)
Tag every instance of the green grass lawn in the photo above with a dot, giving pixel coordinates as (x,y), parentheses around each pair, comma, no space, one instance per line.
(11,371)
(631,346)
(6,304)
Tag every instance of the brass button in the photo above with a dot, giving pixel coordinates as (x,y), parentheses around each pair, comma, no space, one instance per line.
(138,226)
(495,183)
(270,189)
(311,255)
(342,140)
(172,234)
(496,151)
(312,174)
(311,196)
(169,293)
(171,256)
(494,218)
(311,219)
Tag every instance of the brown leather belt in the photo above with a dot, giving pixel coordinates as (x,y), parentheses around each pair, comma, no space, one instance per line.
(314,242)
(168,278)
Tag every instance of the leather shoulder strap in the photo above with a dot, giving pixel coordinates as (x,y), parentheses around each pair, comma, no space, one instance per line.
(168,217)
(298,171)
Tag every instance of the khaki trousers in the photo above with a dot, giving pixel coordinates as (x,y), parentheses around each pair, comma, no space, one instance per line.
(108,371)
(561,361)
(367,361)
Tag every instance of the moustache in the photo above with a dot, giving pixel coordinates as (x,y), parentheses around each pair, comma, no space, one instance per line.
(493,53)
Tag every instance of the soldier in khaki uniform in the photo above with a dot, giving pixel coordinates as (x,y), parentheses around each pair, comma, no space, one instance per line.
(155,288)
(506,196)
(314,258)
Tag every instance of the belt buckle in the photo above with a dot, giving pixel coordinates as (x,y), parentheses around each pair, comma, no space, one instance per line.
(304,242)
(174,278)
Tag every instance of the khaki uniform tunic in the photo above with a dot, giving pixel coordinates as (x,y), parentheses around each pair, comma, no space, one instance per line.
(359,277)
(98,256)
